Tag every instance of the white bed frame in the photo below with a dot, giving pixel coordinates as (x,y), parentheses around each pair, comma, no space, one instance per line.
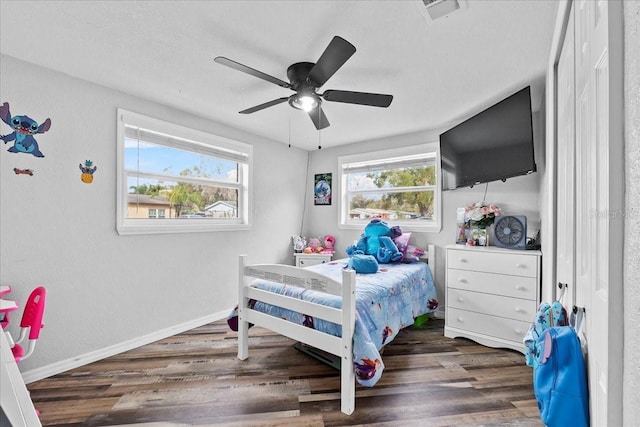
(295,276)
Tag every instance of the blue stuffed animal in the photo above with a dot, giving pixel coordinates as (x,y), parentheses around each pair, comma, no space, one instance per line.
(363,264)
(377,241)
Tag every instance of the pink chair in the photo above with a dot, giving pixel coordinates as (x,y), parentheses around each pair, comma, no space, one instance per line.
(30,324)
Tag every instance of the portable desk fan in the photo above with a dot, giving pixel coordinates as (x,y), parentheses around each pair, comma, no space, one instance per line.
(510,231)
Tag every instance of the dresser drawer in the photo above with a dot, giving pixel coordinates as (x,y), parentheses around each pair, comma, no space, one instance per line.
(308,261)
(507,329)
(494,305)
(506,263)
(491,283)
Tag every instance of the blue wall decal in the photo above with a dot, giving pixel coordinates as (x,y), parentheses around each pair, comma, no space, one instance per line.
(24,127)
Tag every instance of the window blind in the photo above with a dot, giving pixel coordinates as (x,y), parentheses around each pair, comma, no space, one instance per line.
(145,135)
(416,161)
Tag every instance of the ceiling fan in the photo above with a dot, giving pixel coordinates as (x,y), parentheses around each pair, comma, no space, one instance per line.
(306,77)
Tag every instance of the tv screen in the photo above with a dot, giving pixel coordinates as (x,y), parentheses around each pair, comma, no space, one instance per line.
(493,145)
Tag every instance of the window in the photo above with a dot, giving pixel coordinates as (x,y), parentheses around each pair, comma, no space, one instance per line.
(157,213)
(174,179)
(400,186)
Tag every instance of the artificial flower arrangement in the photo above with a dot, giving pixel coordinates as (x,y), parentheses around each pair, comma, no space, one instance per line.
(480,214)
(477,218)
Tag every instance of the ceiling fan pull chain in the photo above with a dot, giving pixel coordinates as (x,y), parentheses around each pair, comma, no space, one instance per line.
(289,130)
(319,132)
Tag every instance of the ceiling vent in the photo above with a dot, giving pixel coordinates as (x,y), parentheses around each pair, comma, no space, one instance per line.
(439,8)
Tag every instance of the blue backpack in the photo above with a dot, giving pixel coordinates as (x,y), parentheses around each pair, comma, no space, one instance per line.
(560,378)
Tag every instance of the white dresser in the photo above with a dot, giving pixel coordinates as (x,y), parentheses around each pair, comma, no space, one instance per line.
(306,260)
(492,294)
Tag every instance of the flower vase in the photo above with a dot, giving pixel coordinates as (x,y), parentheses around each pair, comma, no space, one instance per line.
(479,218)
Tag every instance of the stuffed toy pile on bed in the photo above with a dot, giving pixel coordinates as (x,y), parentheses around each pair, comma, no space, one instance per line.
(377,242)
(381,244)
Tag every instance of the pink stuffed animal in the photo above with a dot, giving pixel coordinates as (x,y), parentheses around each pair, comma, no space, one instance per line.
(329,242)
(315,245)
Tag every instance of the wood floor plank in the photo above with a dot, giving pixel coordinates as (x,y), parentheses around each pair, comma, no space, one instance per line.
(195,378)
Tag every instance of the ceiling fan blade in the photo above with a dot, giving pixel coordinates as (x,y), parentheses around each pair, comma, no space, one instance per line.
(251,71)
(362,98)
(333,57)
(263,106)
(318,118)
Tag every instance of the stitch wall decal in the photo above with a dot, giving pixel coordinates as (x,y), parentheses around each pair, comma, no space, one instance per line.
(24,127)
(87,171)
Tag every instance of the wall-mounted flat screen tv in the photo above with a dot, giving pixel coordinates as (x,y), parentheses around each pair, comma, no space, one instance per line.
(493,145)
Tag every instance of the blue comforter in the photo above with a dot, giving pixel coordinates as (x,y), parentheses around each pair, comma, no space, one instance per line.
(386,302)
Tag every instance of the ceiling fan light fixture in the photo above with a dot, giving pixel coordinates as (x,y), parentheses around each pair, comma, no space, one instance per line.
(304,101)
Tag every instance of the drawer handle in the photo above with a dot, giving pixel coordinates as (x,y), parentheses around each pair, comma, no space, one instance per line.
(462,280)
(521,310)
(521,288)
(462,259)
(518,332)
(521,266)
(460,299)
(460,319)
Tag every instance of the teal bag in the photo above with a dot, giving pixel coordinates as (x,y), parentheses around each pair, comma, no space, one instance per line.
(548,315)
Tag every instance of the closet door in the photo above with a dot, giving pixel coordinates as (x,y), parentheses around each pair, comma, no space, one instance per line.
(599,199)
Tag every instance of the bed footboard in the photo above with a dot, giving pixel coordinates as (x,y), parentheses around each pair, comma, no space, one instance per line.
(294,276)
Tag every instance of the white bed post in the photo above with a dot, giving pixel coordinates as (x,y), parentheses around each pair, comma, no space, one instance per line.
(432,261)
(243,326)
(347,373)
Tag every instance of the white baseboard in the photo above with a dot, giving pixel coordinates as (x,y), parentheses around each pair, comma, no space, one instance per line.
(439,313)
(84,359)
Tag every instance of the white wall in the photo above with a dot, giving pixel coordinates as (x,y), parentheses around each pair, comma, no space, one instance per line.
(105,291)
(516,196)
(631,385)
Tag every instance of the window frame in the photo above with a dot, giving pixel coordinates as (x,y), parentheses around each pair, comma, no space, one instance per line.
(190,140)
(431,149)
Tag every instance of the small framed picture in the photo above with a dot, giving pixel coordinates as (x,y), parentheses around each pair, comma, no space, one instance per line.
(478,237)
(322,189)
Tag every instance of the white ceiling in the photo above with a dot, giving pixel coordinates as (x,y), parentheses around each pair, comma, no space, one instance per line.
(438,71)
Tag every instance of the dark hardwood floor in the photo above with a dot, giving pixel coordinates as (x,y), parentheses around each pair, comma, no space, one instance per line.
(194,378)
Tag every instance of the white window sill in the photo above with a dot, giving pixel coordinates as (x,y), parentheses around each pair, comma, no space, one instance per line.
(405,227)
(159,226)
